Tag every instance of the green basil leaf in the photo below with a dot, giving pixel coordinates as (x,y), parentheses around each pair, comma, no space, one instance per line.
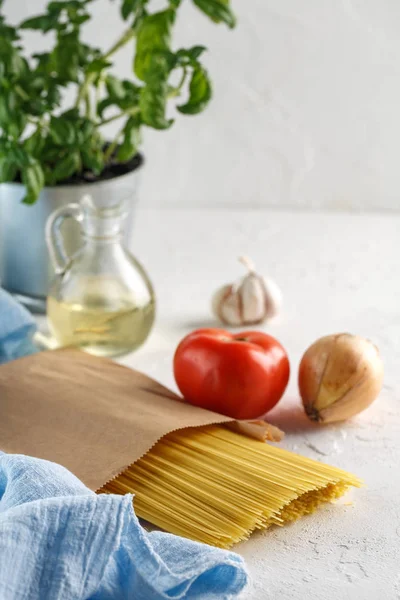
(66,59)
(86,129)
(130,88)
(4,110)
(23,95)
(34,144)
(8,169)
(53,97)
(157,65)
(7,32)
(80,19)
(33,179)
(65,167)
(153,43)
(62,131)
(38,83)
(190,55)
(115,87)
(217,10)
(18,156)
(43,62)
(139,17)
(42,23)
(98,65)
(103,105)
(60,5)
(152,104)
(131,141)
(71,114)
(36,107)
(17,126)
(123,94)
(129,7)
(88,54)
(12,119)
(93,160)
(55,7)
(200,92)
(50,154)
(17,65)
(131,98)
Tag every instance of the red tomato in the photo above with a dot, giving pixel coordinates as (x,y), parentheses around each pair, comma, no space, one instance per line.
(240,375)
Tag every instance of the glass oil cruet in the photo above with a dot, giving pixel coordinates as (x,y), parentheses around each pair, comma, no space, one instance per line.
(101,299)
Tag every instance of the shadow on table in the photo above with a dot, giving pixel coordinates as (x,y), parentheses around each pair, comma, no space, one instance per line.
(289,416)
(205,323)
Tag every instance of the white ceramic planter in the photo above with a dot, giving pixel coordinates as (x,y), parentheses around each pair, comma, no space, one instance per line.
(25,269)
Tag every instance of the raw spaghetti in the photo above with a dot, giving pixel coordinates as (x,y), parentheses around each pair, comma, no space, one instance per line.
(216,486)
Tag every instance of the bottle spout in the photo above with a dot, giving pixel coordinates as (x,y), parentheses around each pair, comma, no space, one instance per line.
(102,219)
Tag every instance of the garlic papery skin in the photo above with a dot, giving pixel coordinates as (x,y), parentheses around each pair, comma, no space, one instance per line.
(339,376)
(250,301)
(225,305)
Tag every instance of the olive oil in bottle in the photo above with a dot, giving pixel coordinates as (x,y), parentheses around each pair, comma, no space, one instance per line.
(101,299)
(103,328)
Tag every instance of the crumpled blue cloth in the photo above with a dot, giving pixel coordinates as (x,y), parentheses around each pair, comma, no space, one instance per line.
(60,541)
(17,327)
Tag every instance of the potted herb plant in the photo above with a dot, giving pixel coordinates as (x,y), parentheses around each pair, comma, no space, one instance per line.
(51,155)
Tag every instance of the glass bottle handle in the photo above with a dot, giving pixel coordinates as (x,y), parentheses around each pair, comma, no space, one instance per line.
(54,238)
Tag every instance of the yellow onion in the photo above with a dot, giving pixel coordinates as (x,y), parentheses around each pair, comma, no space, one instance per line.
(339,376)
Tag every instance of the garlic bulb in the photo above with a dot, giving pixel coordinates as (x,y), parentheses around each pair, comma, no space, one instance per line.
(339,376)
(249,301)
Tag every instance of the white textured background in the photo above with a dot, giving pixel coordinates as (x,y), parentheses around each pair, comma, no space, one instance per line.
(306,110)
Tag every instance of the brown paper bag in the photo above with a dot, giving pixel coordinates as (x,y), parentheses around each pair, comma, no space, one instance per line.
(91,415)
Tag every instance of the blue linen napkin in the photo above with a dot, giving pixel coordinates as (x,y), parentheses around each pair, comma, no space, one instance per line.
(17,327)
(61,541)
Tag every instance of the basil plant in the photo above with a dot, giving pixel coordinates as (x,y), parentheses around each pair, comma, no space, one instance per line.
(42,143)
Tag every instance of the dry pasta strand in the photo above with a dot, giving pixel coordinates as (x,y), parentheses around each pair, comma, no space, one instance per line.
(217,486)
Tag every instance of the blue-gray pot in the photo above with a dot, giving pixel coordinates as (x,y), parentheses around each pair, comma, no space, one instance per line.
(25,268)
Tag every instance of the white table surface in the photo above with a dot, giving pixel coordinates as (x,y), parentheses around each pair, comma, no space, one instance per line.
(338,272)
